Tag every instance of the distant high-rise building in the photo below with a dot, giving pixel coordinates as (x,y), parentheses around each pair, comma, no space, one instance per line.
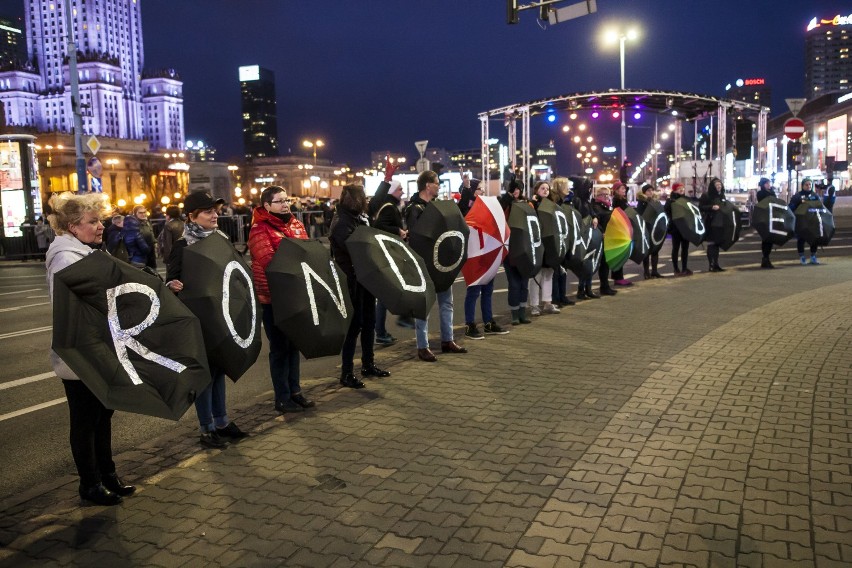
(753,90)
(260,119)
(828,65)
(119,99)
(12,52)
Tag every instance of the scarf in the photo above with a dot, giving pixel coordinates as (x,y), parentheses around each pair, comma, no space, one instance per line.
(193,232)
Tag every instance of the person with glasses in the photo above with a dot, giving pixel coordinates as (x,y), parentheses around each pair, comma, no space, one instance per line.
(271,222)
(428,187)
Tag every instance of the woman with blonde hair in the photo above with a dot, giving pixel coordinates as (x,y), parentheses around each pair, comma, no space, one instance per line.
(541,285)
(76,219)
(560,193)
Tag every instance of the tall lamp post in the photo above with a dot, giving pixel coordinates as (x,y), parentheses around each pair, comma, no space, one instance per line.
(314,145)
(622,36)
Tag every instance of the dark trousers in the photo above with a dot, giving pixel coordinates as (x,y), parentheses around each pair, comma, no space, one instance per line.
(713,254)
(91,433)
(363,324)
(603,273)
(651,262)
(283,358)
(618,274)
(679,245)
(560,285)
(519,287)
(800,246)
(766,248)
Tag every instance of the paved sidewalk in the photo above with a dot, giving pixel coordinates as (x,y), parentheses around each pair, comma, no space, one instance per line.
(699,421)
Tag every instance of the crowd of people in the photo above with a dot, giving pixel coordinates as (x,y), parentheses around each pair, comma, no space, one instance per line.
(76,221)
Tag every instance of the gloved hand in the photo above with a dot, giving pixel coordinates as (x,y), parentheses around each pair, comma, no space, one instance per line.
(390,168)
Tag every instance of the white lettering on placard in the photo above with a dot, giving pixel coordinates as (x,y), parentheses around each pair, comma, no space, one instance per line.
(535,236)
(580,240)
(448,235)
(734,229)
(661,217)
(696,212)
(124,339)
(645,244)
(226,303)
(596,259)
(773,219)
(562,230)
(310,276)
(384,241)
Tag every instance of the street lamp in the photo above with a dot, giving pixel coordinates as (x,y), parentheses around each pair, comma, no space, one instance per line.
(622,36)
(314,145)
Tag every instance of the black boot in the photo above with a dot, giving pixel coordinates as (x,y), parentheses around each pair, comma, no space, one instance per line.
(99,495)
(112,482)
(591,295)
(765,263)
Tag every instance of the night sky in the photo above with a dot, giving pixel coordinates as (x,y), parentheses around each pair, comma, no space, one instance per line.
(380,74)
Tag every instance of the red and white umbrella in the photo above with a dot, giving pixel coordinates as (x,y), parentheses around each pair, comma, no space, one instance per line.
(488,243)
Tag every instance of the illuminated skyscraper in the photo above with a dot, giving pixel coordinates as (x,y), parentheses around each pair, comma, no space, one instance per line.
(119,99)
(828,65)
(260,119)
(11,44)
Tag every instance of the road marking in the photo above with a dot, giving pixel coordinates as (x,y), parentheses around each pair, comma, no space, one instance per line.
(26,380)
(35,297)
(21,291)
(25,332)
(22,307)
(29,409)
(19,277)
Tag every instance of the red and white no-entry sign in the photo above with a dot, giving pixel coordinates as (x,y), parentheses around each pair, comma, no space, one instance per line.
(794,128)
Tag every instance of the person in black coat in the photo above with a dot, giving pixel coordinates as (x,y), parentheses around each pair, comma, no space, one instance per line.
(352,212)
(764,190)
(583,188)
(602,209)
(805,194)
(388,218)
(679,244)
(650,262)
(709,204)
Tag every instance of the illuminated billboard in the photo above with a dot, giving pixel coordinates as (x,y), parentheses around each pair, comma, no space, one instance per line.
(250,73)
(836,138)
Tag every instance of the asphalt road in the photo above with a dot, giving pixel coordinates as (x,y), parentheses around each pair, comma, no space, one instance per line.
(34,417)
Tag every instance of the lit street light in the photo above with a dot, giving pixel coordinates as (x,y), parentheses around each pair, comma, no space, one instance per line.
(314,145)
(621,36)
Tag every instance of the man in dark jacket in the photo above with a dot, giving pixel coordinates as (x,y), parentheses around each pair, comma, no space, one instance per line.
(387,217)
(709,203)
(764,190)
(806,193)
(428,186)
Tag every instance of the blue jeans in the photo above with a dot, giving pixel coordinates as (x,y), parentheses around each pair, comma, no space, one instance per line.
(210,403)
(445,311)
(363,324)
(381,318)
(470,297)
(283,359)
(518,286)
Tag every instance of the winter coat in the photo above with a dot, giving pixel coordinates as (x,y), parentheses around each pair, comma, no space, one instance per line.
(668,209)
(388,217)
(468,196)
(641,203)
(764,193)
(710,198)
(137,246)
(265,235)
(64,251)
(602,212)
(378,199)
(344,223)
(171,233)
(414,210)
(803,195)
(620,203)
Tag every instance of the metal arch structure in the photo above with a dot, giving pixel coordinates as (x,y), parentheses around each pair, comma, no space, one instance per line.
(690,107)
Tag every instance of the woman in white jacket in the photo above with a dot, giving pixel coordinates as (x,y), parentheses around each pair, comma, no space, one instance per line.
(79,231)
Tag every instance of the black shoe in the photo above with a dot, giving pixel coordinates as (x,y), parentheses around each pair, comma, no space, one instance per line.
(231,431)
(386,339)
(212,440)
(655,274)
(566,301)
(349,380)
(99,495)
(491,328)
(300,399)
(288,406)
(765,263)
(581,296)
(718,268)
(592,295)
(608,292)
(114,484)
(471,331)
(372,371)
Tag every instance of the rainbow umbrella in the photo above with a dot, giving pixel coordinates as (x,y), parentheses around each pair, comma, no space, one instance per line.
(488,242)
(618,239)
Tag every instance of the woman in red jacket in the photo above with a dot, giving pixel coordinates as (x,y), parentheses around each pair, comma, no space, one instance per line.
(271,222)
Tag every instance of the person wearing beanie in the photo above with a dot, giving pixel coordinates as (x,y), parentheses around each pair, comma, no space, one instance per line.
(710,202)
(680,246)
(650,262)
(764,190)
(619,200)
(806,193)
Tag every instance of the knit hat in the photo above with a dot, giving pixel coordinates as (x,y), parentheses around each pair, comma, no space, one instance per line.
(677,185)
(394,185)
(763,181)
(616,185)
